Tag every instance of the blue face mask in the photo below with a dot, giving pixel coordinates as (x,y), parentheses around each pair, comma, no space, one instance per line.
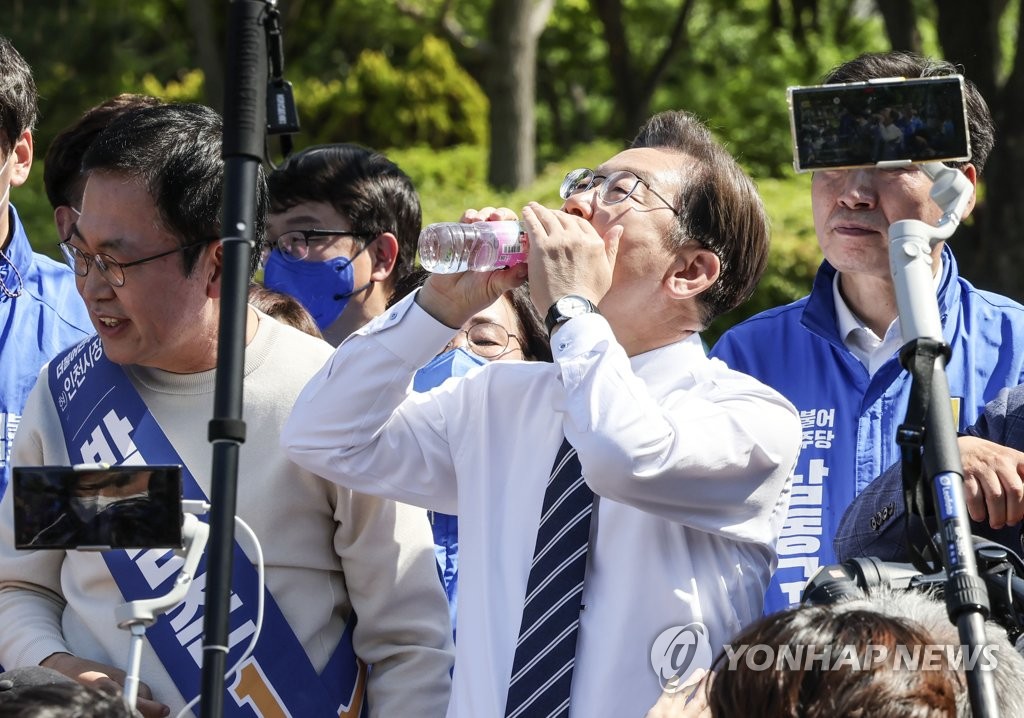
(324,288)
(456,362)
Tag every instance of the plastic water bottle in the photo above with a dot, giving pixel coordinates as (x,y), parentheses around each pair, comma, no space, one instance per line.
(450,247)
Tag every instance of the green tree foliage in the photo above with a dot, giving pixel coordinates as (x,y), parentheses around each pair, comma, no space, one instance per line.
(377,73)
(432,102)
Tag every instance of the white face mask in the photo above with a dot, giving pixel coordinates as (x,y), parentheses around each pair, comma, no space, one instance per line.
(7,192)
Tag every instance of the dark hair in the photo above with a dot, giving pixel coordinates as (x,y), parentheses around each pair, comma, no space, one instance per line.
(62,167)
(283,307)
(534,342)
(874,65)
(718,206)
(819,684)
(364,185)
(64,700)
(175,149)
(18,98)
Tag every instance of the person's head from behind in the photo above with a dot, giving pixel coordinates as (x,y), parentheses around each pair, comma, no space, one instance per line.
(695,232)
(344,225)
(18,110)
(853,208)
(145,247)
(62,166)
(284,308)
(828,663)
(926,610)
(64,700)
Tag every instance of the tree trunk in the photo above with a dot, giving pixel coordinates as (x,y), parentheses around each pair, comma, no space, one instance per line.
(969,35)
(900,24)
(511,78)
(996,252)
(620,62)
(633,87)
(200,22)
(775,21)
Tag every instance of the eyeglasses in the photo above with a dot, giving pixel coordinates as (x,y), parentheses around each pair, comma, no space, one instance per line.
(487,340)
(110,268)
(294,245)
(613,189)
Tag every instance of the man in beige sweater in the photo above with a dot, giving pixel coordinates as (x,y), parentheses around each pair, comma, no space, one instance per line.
(150,273)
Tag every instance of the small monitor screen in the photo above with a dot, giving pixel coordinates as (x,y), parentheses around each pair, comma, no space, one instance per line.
(59,507)
(866,123)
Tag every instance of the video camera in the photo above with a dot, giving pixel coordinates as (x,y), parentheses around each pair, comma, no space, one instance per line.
(1001,569)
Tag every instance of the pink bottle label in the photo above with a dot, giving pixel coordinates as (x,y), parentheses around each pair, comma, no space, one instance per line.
(512,244)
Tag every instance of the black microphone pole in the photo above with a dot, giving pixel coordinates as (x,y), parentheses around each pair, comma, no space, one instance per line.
(244,136)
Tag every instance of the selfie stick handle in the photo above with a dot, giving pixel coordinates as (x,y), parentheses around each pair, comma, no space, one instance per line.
(925,354)
(131,677)
(136,616)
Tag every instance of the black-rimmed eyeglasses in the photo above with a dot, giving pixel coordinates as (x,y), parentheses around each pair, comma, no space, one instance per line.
(612,189)
(294,244)
(487,340)
(111,269)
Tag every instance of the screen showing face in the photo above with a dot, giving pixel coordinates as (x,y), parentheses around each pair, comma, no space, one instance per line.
(59,507)
(864,124)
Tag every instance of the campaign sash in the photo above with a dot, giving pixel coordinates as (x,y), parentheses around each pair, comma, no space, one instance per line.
(105,420)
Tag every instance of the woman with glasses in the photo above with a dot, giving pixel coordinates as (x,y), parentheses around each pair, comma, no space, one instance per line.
(510,329)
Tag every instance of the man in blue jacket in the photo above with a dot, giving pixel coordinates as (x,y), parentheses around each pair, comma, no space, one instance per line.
(834,353)
(40,311)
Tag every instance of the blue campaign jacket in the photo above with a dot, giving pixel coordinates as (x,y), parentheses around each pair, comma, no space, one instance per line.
(45,318)
(849,419)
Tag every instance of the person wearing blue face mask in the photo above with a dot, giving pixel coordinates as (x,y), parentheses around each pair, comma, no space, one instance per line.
(508,330)
(343,228)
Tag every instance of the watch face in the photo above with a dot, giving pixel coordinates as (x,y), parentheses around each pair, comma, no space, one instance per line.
(573,306)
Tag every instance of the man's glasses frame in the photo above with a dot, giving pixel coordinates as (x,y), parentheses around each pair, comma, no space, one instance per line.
(111,269)
(294,244)
(612,190)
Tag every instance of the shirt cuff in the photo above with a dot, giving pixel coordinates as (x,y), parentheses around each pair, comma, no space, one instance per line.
(579,336)
(40,650)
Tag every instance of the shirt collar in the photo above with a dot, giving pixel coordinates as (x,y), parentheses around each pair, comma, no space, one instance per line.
(847,322)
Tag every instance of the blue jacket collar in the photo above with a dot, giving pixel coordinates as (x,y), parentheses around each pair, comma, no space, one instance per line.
(18,250)
(819,315)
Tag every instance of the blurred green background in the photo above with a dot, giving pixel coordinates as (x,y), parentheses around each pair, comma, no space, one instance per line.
(449,89)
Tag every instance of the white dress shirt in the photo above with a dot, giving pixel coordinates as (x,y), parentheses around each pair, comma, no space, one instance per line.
(862,342)
(690,461)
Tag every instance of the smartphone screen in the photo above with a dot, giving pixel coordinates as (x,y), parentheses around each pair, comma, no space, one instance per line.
(63,507)
(893,122)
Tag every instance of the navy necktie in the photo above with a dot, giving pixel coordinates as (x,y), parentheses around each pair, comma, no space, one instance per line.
(542,670)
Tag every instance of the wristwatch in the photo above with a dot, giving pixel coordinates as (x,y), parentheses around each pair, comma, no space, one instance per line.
(569,306)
